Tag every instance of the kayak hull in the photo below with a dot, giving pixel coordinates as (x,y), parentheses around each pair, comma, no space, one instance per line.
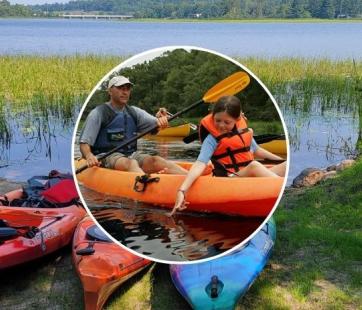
(231,196)
(56,227)
(235,273)
(102,272)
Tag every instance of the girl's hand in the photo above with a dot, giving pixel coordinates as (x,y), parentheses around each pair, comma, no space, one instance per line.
(180,204)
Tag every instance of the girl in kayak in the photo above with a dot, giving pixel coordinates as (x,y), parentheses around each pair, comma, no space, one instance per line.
(229,144)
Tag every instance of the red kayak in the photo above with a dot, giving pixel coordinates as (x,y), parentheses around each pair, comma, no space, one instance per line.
(38,220)
(101,264)
(27,234)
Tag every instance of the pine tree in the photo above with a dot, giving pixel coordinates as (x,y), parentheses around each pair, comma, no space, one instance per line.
(328,9)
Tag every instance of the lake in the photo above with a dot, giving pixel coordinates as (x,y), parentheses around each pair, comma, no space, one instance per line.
(68,37)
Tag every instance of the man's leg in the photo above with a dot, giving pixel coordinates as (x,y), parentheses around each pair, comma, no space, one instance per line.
(118,161)
(155,164)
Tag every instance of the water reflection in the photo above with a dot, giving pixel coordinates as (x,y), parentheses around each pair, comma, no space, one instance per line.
(34,143)
(149,231)
(320,134)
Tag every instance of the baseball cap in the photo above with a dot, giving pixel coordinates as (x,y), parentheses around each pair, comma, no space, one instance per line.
(119,81)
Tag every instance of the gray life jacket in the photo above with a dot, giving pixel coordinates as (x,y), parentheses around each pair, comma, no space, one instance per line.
(116,128)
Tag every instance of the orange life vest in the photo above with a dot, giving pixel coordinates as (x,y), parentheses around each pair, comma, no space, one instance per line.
(233,149)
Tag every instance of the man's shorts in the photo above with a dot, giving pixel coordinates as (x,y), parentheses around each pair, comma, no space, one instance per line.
(110,161)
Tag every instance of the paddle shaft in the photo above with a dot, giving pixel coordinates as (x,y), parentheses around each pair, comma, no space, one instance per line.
(192,126)
(10,232)
(258,139)
(135,138)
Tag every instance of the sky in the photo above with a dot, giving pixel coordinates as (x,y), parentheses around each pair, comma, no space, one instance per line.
(36,1)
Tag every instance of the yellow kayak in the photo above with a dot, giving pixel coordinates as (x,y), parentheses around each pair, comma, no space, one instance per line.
(275,146)
(177,131)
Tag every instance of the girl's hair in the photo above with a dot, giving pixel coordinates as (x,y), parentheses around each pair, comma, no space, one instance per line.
(229,104)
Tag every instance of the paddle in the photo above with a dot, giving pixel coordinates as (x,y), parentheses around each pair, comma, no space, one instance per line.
(7,232)
(229,86)
(258,139)
(192,126)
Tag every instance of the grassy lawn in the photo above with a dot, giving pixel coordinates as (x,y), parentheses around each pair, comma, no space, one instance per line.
(317,258)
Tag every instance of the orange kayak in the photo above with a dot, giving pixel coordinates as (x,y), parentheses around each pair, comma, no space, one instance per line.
(101,264)
(225,195)
(30,233)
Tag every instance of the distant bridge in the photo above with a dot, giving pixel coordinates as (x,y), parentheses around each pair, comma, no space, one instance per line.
(95,16)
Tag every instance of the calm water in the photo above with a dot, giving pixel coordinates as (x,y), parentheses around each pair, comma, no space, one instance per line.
(65,37)
(35,145)
(184,237)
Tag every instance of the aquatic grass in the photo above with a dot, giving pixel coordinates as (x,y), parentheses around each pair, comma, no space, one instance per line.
(47,81)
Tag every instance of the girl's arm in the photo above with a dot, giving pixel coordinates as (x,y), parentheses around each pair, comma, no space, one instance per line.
(207,149)
(196,170)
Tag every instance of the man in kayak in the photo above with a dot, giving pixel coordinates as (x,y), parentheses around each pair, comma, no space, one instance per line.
(114,122)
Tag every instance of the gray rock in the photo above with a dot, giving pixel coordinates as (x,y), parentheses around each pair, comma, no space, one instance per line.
(329,175)
(308,177)
(342,165)
(345,164)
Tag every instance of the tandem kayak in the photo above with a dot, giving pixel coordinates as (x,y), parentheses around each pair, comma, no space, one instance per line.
(220,283)
(224,195)
(30,233)
(101,264)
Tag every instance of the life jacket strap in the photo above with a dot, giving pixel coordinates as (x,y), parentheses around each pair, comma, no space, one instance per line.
(234,132)
(232,152)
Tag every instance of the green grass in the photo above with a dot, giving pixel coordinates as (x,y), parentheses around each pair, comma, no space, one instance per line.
(26,79)
(317,258)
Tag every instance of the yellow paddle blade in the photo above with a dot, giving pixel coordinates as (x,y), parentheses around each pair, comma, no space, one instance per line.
(227,87)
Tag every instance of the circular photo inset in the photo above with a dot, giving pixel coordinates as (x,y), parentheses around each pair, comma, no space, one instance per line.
(180,154)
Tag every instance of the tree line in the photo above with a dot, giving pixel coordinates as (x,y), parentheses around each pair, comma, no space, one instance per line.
(214,8)
(8,10)
(179,78)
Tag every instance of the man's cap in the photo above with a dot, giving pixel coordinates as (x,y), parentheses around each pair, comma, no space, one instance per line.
(119,81)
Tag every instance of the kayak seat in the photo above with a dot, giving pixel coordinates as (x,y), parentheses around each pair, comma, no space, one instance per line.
(3,223)
(7,233)
(94,233)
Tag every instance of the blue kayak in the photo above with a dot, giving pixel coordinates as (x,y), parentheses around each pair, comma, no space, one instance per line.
(220,283)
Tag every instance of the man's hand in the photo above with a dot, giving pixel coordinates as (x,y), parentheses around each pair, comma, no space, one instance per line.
(161,112)
(162,120)
(92,160)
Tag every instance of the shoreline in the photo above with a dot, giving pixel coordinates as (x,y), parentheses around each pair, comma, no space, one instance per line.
(210,20)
